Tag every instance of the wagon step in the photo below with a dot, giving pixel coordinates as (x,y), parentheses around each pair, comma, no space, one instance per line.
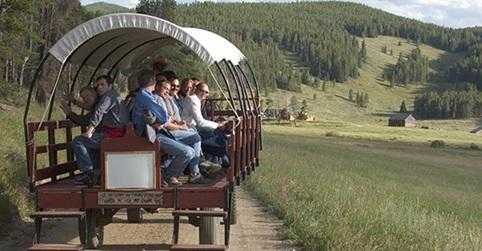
(57,214)
(199,213)
(204,247)
(56,247)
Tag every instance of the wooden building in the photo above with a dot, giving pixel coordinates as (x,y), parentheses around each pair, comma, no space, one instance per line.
(405,120)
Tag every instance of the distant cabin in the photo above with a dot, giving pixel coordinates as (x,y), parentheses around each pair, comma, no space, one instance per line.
(477,130)
(405,120)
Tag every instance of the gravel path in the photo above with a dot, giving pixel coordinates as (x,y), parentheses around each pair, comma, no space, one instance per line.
(255,230)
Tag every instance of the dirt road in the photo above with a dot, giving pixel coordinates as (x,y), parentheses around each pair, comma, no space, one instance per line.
(255,230)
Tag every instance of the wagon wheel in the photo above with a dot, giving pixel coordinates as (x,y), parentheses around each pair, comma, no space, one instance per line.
(134,215)
(95,232)
(207,229)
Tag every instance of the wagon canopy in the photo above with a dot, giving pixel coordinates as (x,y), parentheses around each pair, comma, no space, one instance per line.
(107,39)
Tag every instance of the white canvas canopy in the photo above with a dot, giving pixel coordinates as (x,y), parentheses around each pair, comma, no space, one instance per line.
(107,39)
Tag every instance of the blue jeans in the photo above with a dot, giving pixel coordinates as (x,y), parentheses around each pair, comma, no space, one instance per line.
(185,150)
(86,151)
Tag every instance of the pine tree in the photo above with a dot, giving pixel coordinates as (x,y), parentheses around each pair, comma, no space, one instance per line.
(294,105)
(303,114)
(363,51)
(160,8)
(358,98)
(365,100)
(403,107)
(323,86)
(350,95)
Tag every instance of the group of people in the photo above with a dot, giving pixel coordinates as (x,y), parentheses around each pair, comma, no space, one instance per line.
(161,108)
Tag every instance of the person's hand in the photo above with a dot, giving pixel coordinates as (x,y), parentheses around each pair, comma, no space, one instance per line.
(220,119)
(183,127)
(70,97)
(157,126)
(89,132)
(65,107)
(179,122)
(227,125)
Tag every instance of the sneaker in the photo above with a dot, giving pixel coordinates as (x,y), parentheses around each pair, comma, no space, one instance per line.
(210,167)
(198,179)
(174,181)
(82,179)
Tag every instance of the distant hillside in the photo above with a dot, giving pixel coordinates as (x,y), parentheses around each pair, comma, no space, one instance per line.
(106,8)
(296,47)
(320,33)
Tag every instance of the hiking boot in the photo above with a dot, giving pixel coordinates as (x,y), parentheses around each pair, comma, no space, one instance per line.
(86,178)
(210,167)
(199,179)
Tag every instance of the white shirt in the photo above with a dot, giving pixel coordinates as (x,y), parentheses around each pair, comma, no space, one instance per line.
(191,113)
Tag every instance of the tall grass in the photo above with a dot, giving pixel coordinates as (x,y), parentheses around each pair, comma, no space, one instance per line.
(337,193)
(14,199)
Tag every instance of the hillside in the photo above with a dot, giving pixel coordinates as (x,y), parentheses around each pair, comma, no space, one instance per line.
(333,104)
(106,8)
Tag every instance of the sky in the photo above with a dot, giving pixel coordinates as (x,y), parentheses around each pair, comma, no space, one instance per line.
(449,13)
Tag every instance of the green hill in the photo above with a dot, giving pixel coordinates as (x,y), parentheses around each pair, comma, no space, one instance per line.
(333,103)
(284,40)
(106,8)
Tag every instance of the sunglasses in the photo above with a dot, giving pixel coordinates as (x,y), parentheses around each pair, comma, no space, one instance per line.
(204,91)
(175,86)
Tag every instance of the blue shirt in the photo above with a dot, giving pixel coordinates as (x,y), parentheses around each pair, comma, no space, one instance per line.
(146,101)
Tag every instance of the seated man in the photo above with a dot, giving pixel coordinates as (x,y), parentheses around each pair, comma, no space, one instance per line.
(211,132)
(175,138)
(107,119)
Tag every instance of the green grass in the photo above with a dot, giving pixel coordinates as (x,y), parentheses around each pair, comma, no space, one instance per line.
(451,132)
(14,199)
(351,194)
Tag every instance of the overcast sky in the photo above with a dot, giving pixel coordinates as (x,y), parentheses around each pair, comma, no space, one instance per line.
(451,13)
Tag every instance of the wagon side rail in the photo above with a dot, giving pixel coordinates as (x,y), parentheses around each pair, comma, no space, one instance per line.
(56,168)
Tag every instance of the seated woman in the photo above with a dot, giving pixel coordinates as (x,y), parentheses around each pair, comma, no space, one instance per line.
(212,133)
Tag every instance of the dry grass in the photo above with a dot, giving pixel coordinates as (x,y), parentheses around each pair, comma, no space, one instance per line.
(351,194)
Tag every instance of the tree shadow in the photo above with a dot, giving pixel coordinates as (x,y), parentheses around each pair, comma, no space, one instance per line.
(384,114)
(344,98)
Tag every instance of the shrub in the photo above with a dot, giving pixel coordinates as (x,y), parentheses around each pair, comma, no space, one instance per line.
(474,146)
(332,134)
(437,144)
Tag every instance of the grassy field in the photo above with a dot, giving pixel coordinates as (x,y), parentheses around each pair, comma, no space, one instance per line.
(347,193)
(453,133)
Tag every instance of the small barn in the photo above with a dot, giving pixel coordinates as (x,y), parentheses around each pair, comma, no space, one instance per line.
(477,130)
(405,120)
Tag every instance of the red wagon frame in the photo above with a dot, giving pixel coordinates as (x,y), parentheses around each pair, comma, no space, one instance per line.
(56,193)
